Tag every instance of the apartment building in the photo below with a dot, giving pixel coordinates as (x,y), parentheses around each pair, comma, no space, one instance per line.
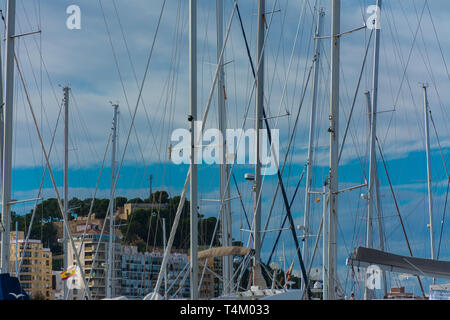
(95,273)
(36,273)
(139,273)
(211,285)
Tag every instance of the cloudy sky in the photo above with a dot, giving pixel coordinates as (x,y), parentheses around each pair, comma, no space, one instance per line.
(105,61)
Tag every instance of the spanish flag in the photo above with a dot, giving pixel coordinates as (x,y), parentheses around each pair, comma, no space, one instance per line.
(68,273)
(288,273)
(317,200)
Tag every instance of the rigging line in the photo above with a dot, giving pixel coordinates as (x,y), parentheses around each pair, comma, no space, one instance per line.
(355,96)
(95,194)
(294,46)
(35,81)
(181,283)
(354,140)
(285,219)
(283,191)
(398,210)
(278,171)
(401,62)
(123,86)
(178,276)
(439,144)
(406,216)
(265,117)
(275,73)
(132,120)
(242,267)
(280,179)
(308,53)
(64,214)
(92,206)
(314,252)
(205,116)
(235,9)
(84,127)
(38,196)
(176,57)
(28,131)
(443,221)
(275,63)
(240,198)
(430,69)
(134,72)
(209,103)
(405,69)
(437,38)
(158,219)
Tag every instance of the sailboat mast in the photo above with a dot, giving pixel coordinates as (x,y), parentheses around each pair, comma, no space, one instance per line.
(258,127)
(66,178)
(1,115)
(165,246)
(334,150)
(193,175)
(110,287)
(7,134)
(373,130)
(324,245)
(223,167)
(373,183)
(312,122)
(378,205)
(430,191)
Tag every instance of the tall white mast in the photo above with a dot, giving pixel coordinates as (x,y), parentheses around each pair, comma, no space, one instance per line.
(373,130)
(1,117)
(430,191)
(165,246)
(66,178)
(375,187)
(373,183)
(334,149)
(324,244)
(7,134)
(110,279)
(312,122)
(223,167)
(193,175)
(258,126)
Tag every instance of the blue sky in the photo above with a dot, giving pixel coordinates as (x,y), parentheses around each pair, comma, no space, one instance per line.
(99,73)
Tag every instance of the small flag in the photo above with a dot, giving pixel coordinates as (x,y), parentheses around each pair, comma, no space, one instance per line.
(288,273)
(317,200)
(68,273)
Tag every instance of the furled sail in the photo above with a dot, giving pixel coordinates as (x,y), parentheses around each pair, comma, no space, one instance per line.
(224,251)
(364,257)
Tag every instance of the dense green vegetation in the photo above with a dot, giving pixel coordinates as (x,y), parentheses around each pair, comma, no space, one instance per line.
(143,227)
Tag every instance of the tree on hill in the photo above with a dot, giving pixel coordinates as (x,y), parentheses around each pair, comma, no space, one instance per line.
(120,201)
(146,225)
(80,207)
(135,200)
(158,197)
(143,228)
(41,230)
(48,210)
